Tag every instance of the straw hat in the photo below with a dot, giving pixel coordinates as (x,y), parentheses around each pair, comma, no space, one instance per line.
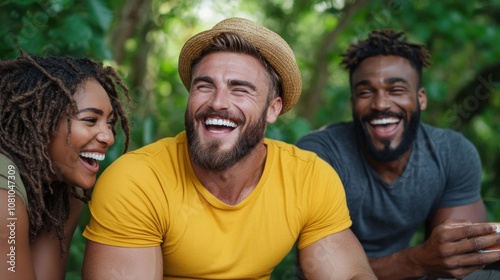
(276,51)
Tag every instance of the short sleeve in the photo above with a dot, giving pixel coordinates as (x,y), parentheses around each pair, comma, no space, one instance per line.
(463,173)
(326,200)
(126,208)
(10,179)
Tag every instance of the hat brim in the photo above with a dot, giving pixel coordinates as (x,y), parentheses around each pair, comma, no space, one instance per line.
(272,47)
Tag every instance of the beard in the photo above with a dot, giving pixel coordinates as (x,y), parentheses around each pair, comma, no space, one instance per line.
(209,156)
(388,154)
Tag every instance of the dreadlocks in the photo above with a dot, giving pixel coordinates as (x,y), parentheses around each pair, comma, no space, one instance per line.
(386,42)
(36,94)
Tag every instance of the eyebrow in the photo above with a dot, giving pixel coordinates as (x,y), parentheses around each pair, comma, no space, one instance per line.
(396,80)
(207,79)
(242,83)
(387,81)
(362,83)
(95,111)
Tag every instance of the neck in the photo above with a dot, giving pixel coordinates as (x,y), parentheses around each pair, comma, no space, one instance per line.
(235,183)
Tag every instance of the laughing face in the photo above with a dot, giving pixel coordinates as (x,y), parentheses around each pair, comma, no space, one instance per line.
(228,109)
(386,103)
(76,158)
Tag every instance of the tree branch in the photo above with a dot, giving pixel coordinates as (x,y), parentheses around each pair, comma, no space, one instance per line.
(312,97)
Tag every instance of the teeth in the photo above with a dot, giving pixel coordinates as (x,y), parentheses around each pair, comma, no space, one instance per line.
(220,122)
(95,156)
(384,121)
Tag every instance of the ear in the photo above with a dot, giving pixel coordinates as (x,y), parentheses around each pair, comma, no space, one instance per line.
(422,98)
(274,109)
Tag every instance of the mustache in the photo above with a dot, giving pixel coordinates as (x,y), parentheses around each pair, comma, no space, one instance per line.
(375,115)
(223,114)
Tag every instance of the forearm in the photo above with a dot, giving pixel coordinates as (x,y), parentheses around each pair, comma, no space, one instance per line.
(400,265)
(337,256)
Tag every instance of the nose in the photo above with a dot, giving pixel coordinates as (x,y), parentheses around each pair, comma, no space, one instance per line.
(106,137)
(380,102)
(219,100)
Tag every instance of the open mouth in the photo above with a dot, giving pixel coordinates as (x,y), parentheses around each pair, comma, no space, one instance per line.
(384,127)
(219,125)
(92,158)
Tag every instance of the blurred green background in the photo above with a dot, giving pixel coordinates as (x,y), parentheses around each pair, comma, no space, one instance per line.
(142,39)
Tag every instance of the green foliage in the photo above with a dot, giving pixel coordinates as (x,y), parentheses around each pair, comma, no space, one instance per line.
(66,27)
(288,129)
(462,84)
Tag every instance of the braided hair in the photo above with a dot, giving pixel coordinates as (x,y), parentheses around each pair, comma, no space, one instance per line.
(36,94)
(386,42)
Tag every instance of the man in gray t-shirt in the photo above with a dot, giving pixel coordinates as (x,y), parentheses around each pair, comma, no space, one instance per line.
(401,175)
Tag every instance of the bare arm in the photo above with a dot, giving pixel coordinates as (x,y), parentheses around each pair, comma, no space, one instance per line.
(337,256)
(450,250)
(15,257)
(45,251)
(474,212)
(111,262)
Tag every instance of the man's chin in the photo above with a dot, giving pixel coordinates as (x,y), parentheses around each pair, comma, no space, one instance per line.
(388,153)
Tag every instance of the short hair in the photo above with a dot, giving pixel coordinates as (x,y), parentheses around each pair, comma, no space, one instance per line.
(36,94)
(386,42)
(232,42)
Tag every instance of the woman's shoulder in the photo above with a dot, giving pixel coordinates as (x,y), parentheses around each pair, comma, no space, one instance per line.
(10,179)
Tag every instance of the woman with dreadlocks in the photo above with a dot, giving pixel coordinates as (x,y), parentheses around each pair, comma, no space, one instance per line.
(57,120)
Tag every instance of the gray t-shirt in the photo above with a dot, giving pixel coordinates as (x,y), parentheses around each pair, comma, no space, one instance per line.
(444,170)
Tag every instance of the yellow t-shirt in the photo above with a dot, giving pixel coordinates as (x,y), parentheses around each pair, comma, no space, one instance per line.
(151,197)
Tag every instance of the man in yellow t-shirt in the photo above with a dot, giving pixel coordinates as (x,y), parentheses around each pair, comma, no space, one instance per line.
(220,201)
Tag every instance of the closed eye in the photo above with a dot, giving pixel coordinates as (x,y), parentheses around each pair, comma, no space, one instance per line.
(363,93)
(111,122)
(240,90)
(397,90)
(89,120)
(204,88)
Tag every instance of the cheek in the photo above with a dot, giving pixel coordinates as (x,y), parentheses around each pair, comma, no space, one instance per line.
(409,100)
(62,156)
(58,144)
(359,106)
(195,101)
(80,136)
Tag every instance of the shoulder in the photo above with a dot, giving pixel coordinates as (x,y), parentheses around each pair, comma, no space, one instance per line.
(6,164)
(300,170)
(164,145)
(329,138)
(445,140)
(144,169)
(290,152)
(10,178)
(148,156)
(296,159)
(335,143)
(331,131)
(448,148)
